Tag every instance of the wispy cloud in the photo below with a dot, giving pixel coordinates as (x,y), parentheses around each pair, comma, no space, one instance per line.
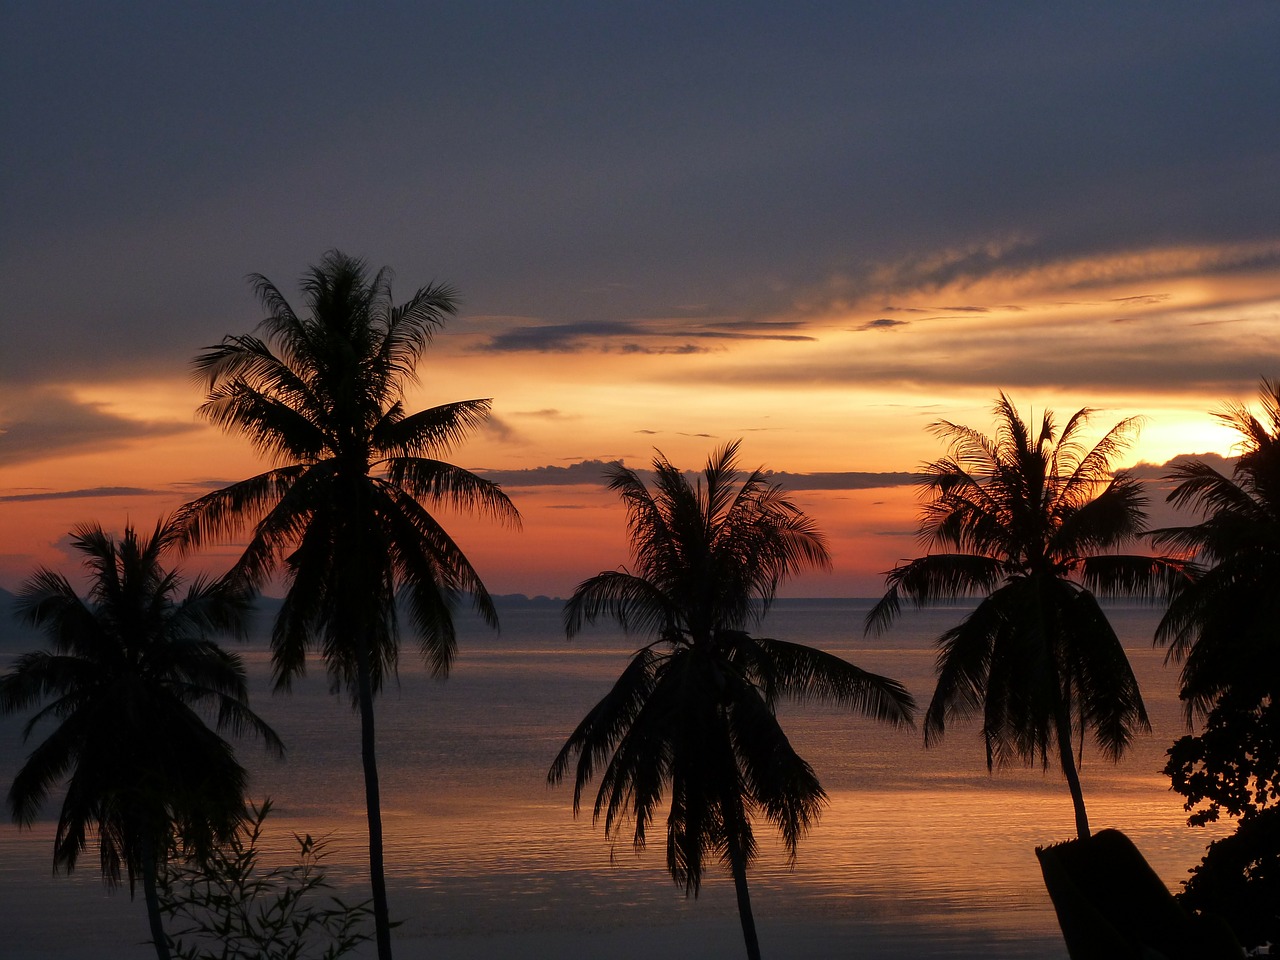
(1022,266)
(595,473)
(589,472)
(46,422)
(654,336)
(87,493)
(548,413)
(500,430)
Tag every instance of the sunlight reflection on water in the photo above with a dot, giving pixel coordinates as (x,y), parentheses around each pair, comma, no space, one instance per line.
(915,844)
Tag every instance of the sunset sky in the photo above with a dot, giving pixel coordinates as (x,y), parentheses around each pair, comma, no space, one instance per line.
(817,227)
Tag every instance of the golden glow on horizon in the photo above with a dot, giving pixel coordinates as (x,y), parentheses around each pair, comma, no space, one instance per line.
(881,364)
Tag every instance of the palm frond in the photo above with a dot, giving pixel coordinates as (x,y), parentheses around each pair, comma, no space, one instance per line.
(926,580)
(440,482)
(807,674)
(965,654)
(429,432)
(1109,699)
(410,326)
(1112,518)
(774,775)
(1142,577)
(635,603)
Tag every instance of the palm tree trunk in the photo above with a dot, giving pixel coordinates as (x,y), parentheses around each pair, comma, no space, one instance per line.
(373,805)
(1062,715)
(150,893)
(737,862)
(1063,723)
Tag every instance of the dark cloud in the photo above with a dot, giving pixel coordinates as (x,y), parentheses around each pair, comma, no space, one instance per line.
(681,350)
(1220,322)
(44,423)
(850,480)
(605,336)
(594,472)
(499,429)
(884,323)
(550,413)
(589,472)
(89,493)
(1160,471)
(1148,299)
(580,160)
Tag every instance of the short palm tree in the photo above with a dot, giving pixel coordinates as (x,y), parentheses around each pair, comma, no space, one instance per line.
(1222,625)
(1031,521)
(129,680)
(346,511)
(694,711)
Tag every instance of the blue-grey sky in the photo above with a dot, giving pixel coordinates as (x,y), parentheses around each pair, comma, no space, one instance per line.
(588,163)
(814,226)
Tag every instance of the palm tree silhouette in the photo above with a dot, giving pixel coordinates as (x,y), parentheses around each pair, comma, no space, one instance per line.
(1032,520)
(346,511)
(131,670)
(693,712)
(1222,624)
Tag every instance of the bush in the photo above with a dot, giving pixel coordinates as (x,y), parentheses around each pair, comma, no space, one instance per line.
(1233,768)
(222,907)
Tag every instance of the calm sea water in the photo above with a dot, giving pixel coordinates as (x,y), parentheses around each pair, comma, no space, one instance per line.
(919,854)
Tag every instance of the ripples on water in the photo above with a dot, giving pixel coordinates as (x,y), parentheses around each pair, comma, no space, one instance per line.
(922,851)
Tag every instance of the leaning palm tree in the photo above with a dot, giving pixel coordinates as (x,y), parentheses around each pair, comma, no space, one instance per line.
(131,674)
(1222,625)
(346,510)
(694,711)
(1031,521)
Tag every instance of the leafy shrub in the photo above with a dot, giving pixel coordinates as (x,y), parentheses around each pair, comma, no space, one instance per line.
(224,907)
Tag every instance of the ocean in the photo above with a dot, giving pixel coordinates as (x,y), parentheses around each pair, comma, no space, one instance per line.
(920,853)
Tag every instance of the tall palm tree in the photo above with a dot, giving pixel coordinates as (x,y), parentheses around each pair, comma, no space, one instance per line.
(1031,521)
(346,511)
(131,674)
(694,711)
(1222,624)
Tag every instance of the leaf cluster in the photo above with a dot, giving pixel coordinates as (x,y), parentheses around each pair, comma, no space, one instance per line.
(1232,765)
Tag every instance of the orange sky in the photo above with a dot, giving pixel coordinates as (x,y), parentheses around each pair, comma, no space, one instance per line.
(850,393)
(815,228)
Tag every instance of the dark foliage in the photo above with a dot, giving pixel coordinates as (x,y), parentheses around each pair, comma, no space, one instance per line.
(347,513)
(692,717)
(1031,520)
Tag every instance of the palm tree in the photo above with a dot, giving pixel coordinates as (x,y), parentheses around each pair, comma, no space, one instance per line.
(694,711)
(1222,624)
(1032,520)
(345,511)
(131,669)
